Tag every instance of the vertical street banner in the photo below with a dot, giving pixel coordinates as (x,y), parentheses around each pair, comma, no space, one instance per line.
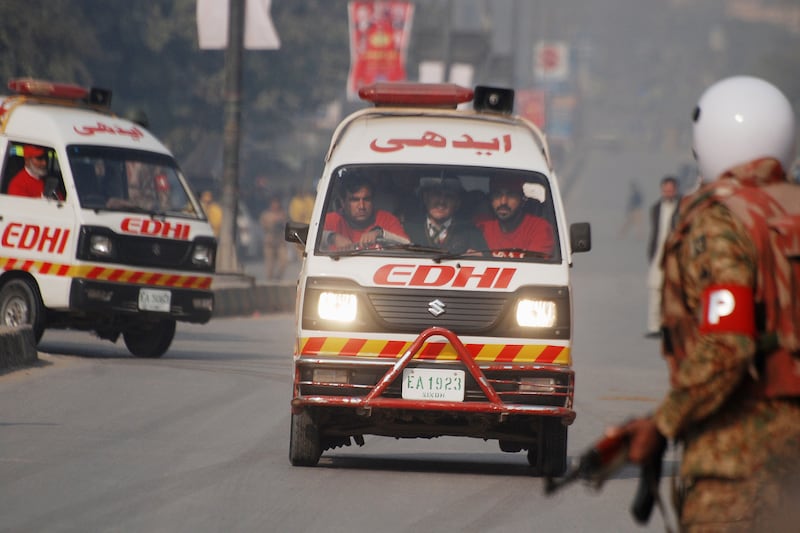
(379,35)
(212,25)
(532,104)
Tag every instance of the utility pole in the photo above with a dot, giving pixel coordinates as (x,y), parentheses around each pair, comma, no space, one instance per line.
(446,38)
(227,261)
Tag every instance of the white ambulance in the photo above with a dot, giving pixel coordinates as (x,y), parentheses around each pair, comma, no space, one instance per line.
(434,297)
(98,228)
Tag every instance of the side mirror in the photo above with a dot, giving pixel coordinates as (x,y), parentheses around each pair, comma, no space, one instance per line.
(580,237)
(52,188)
(296,232)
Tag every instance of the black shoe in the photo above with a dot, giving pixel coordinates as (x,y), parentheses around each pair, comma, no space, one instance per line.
(652,335)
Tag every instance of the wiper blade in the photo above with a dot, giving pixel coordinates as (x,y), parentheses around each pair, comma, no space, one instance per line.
(117,205)
(514,253)
(352,252)
(410,247)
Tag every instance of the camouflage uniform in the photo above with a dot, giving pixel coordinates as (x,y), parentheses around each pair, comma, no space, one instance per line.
(737,442)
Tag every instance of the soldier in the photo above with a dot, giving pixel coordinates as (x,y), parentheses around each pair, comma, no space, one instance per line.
(734,396)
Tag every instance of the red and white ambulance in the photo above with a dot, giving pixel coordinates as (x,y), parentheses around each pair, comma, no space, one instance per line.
(407,333)
(98,228)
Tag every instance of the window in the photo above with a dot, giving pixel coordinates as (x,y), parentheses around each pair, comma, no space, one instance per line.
(477,212)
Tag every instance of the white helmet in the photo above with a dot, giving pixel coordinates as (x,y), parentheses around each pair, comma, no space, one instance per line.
(740,119)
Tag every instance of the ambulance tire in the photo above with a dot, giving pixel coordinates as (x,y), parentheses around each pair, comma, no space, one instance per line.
(20,303)
(549,458)
(150,340)
(305,447)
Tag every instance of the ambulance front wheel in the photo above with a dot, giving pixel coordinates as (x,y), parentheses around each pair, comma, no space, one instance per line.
(20,304)
(548,456)
(305,448)
(149,339)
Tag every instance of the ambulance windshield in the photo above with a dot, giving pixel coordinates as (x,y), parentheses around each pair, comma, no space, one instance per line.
(121,179)
(441,212)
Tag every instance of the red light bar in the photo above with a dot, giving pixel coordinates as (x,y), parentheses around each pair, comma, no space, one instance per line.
(416,94)
(32,87)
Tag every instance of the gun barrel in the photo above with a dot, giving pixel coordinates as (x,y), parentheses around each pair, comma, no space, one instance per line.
(552,485)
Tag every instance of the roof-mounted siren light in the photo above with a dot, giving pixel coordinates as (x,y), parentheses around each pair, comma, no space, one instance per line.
(494,99)
(408,94)
(33,87)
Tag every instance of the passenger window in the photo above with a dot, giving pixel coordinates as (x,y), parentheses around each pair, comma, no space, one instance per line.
(32,171)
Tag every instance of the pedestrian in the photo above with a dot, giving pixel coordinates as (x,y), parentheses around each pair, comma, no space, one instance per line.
(212,210)
(731,322)
(634,211)
(276,256)
(663,215)
(301,205)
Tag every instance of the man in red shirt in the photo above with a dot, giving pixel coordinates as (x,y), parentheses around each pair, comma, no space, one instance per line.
(29,181)
(359,224)
(512,231)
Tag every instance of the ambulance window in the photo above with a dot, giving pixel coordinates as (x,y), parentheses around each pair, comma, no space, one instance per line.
(42,177)
(134,180)
(494,214)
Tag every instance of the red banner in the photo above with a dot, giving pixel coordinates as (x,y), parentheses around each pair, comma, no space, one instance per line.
(379,35)
(531,104)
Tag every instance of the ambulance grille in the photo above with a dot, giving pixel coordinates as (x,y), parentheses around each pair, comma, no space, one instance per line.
(462,312)
(146,251)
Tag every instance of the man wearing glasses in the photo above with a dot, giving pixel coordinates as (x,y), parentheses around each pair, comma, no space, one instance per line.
(30,180)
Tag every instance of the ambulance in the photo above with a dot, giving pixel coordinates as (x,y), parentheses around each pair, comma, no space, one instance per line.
(98,228)
(400,335)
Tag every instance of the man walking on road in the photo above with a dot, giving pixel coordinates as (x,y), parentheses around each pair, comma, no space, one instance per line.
(662,221)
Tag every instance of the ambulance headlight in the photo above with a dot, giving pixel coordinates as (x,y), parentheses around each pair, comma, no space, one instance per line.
(337,306)
(101,245)
(536,313)
(203,255)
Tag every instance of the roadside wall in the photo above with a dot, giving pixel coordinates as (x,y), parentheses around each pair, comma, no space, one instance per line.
(233,296)
(17,347)
(242,296)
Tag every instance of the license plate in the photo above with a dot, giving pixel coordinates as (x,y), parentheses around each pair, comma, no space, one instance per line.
(433,384)
(154,300)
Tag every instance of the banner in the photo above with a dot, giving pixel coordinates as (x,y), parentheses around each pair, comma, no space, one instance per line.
(531,104)
(379,35)
(212,25)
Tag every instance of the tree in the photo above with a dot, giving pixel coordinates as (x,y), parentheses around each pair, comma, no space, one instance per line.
(147,54)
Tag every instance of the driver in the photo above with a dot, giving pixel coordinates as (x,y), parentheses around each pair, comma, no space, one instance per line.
(30,180)
(358,223)
(512,228)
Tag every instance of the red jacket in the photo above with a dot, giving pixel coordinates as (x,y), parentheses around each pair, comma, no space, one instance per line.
(24,184)
(533,233)
(336,222)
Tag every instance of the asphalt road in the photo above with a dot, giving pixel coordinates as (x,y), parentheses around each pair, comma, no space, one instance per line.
(95,440)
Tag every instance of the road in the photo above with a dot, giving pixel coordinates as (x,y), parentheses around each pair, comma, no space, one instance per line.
(95,440)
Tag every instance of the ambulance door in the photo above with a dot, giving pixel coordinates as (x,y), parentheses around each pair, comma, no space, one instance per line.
(37,234)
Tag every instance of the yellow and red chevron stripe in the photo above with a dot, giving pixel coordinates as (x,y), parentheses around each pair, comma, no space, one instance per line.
(101,273)
(442,351)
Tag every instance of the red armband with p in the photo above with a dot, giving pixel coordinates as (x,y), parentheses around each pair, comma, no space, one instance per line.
(728,308)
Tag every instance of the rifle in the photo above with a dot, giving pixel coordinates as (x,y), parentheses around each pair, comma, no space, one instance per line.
(605,457)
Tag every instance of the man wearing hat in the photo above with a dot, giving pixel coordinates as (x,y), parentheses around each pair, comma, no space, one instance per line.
(30,180)
(512,228)
(441,228)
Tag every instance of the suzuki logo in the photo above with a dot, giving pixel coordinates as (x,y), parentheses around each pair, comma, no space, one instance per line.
(436,307)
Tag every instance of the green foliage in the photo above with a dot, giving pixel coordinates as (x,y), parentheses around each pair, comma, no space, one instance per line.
(147,53)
